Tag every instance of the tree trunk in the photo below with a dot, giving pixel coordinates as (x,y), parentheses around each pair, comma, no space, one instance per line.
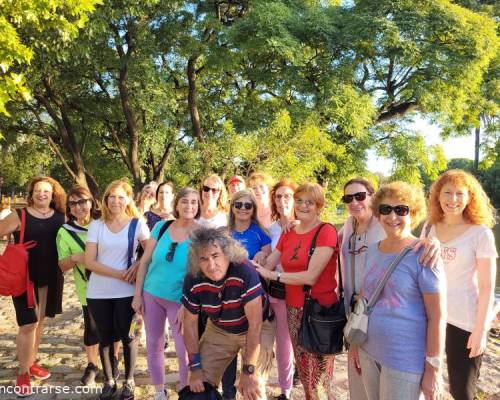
(193,98)
(476,148)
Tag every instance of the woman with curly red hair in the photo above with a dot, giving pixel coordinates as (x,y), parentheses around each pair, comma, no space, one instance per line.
(44,216)
(461,217)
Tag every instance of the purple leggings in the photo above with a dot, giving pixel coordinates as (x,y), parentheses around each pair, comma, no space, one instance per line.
(156,312)
(284,350)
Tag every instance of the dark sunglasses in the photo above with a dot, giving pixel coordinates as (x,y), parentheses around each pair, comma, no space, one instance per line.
(171,252)
(239,204)
(208,189)
(360,196)
(386,209)
(80,202)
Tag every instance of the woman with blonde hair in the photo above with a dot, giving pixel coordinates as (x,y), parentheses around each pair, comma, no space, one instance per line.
(461,217)
(213,202)
(109,254)
(44,216)
(259,183)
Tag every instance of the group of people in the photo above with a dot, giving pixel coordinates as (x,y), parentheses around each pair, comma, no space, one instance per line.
(204,260)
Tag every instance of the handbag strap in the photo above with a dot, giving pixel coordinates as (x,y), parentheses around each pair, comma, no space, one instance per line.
(131,237)
(164,228)
(308,288)
(353,256)
(23,225)
(388,272)
(80,243)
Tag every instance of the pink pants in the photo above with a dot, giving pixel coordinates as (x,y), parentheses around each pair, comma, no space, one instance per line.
(156,312)
(284,350)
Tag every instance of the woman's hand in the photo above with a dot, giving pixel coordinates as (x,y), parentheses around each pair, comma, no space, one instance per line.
(137,304)
(431,383)
(288,227)
(179,319)
(264,272)
(354,354)
(260,257)
(431,253)
(131,273)
(196,381)
(477,342)
(78,258)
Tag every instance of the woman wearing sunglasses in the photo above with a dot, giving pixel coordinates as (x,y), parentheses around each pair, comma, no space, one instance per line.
(292,252)
(461,217)
(403,352)
(246,229)
(360,230)
(282,214)
(158,289)
(81,208)
(213,202)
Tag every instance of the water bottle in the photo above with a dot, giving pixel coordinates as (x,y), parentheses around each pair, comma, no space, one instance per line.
(135,327)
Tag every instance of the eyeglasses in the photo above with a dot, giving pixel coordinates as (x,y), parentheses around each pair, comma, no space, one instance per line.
(171,252)
(386,209)
(207,189)
(308,203)
(352,245)
(80,202)
(285,197)
(240,204)
(360,196)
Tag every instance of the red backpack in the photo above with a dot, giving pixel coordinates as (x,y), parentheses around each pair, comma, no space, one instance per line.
(14,274)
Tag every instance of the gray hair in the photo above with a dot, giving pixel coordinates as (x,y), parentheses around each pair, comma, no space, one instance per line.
(204,237)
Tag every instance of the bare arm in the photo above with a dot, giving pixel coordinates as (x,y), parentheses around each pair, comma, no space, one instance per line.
(9,224)
(94,266)
(435,307)
(253,312)
(261,255)
(190,335)
(318,262)
(149,247)
(486,273)
(66,264)
(272,260)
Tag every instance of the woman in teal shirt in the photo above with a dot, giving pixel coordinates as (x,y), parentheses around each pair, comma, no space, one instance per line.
(159,285)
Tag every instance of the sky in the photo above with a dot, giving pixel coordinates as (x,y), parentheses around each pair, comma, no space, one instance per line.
(454,148)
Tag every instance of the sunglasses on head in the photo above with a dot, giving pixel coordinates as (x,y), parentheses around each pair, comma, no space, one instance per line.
(239,204)
(207,189)
(80,202)
(386,209)
(360,196)
(171,252)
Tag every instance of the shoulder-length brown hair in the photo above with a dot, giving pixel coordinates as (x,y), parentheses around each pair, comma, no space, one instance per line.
(58,201)
(131,209)
(82,192)
(183,193)
(283,182)
(478,211)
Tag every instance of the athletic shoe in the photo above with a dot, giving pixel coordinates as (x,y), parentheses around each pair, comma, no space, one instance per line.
(89,375)
(38,372)
(108,391)
(161,395)
(127,391)
(282,396)
(23,385)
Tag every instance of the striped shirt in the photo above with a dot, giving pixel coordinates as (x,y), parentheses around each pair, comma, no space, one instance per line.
(224,301)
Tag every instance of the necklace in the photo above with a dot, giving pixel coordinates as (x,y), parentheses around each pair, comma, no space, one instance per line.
(44,214)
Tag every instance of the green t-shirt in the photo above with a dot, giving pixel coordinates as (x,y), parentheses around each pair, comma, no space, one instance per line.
(66,246)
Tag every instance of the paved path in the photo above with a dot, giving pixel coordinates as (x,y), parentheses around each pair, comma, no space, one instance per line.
(62,351)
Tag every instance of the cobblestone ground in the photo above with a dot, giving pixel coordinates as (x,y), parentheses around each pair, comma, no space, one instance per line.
(62,352)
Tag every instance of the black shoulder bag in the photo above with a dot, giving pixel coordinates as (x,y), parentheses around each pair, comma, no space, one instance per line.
(321,328)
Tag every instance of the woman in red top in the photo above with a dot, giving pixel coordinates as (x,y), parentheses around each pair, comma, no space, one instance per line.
(292,251)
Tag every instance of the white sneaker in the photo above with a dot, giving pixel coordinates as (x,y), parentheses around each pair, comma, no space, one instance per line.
(161,395)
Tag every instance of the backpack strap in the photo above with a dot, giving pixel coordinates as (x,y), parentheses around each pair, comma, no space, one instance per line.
(80,243)
(131,236)
(164,228)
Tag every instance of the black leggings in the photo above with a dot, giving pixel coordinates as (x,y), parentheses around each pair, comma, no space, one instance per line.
(463,371)
(90,337)
(114,315)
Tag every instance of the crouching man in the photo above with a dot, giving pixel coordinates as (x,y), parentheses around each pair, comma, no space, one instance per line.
(230,293)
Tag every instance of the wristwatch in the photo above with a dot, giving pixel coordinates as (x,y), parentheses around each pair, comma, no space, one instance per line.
(278,276)
(434,361)
(248,369)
